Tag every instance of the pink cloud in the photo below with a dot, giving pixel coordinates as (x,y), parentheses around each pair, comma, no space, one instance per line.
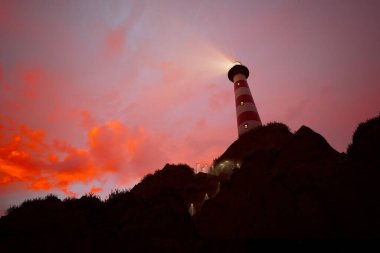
(115,41)
(88,120)
(221,99)
(31,79)
(1,74)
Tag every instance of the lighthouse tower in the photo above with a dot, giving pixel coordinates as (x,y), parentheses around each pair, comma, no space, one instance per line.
(246,112)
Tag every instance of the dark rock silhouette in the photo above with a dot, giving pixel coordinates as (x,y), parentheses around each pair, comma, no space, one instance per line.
(286,186)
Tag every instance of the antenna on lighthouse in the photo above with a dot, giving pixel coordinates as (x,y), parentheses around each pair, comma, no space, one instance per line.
(246,112)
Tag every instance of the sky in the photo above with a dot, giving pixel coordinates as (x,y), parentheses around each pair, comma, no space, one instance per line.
(96,94)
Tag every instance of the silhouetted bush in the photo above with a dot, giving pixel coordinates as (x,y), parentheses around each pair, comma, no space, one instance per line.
(11,209)
(175,167)
(116,193)
(91,199)
(146,177)
(277,126)
(120,200)
(48,200)
(68,199)
(52,197)
(214,162)
(365,144)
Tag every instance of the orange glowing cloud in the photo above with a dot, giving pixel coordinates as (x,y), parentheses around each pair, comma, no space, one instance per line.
(113,145)
(27,158)
(95,190)
(41,183)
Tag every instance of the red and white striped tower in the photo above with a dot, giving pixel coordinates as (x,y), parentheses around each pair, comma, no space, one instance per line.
(246,112)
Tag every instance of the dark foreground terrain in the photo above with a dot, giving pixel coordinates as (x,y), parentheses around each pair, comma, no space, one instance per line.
(286,189)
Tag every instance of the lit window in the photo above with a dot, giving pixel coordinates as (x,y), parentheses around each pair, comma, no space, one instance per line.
(245,126)
(241,103)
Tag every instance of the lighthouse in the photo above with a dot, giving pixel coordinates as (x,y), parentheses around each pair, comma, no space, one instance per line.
(246,112)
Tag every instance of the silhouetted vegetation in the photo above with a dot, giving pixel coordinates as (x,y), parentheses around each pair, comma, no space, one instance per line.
(277,126)
(365,144)
(289,186)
